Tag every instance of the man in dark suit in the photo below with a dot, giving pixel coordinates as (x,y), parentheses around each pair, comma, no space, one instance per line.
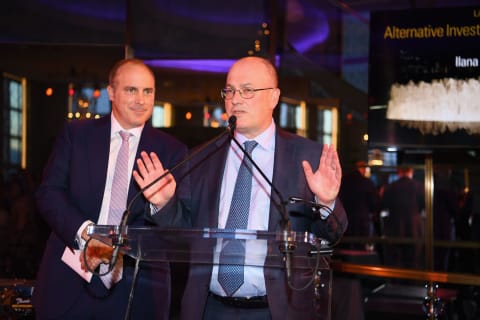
(76,191)
(405,201)
(251,94)
(362,202)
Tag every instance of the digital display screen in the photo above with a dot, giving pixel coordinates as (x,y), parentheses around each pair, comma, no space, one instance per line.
(424,89)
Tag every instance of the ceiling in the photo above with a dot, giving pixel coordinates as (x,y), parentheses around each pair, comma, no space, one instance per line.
(166,29)
(79,40)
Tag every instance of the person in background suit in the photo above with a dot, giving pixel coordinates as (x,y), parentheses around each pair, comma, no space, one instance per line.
(295,165)
(361,200)
(76,190)
(405,201)
(445,210)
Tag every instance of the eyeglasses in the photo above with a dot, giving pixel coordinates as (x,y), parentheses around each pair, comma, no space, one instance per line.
(246,93)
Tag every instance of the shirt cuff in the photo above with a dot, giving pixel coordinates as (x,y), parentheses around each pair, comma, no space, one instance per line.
(325,211)
(78,237)
(154,209)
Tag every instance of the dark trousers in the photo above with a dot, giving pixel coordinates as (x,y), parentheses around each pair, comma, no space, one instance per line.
(95,302)
(216,310)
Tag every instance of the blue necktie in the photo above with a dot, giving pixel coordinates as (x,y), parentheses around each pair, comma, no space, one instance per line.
(230,276)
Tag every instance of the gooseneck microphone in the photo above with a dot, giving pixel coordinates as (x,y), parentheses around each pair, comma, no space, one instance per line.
(286,246)
(232,125)
(320,212)
(123,223)
(281,207)
(316,208)
(229,130)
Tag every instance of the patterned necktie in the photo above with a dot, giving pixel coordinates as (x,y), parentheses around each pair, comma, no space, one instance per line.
(230,276)
(118,204)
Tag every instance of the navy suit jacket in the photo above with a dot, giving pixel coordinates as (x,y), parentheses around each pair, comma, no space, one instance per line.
(361,201)
(405,200)
(288,177)
(71,192)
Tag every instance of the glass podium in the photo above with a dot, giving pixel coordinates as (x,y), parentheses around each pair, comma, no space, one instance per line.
(296,253)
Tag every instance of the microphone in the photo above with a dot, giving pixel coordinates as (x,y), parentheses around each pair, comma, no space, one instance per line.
(229,130)
(316,208)
(232,125)
(320,212)
(286,247)
(119,241)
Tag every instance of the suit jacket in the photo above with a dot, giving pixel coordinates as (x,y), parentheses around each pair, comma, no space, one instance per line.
(289,179)
(71,192)
(405,200)
(361,201)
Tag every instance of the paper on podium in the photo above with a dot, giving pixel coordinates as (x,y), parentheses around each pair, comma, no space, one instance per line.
(72,259)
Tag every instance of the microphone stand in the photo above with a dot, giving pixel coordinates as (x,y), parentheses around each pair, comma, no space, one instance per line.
(119,241)
(126,214)
(229,129)
(316,207)
(287,246)
(318,215)
(282,207)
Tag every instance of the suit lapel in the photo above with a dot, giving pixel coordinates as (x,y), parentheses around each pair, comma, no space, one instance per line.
(216,168)
(283,164)
(98,146)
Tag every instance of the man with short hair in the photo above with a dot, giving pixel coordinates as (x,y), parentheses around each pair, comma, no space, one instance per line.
(78,189)
(251,94)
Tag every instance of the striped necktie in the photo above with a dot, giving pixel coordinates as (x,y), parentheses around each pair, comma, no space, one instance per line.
(118,204)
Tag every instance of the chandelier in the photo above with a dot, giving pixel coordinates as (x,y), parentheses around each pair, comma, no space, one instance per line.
(434,108)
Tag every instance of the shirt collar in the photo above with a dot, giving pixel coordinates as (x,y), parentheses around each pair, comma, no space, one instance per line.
(116,127)
(266,139)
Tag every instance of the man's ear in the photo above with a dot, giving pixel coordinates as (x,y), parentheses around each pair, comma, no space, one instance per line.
(110,92)
(275,96)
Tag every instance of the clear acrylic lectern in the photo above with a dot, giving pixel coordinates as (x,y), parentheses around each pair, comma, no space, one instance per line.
(297,253)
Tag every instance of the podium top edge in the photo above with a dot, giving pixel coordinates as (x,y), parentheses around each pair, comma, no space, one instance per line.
(111,231)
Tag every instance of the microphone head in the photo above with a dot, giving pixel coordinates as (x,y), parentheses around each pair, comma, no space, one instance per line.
(232,123)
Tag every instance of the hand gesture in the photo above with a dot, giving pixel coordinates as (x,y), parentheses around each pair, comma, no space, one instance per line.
(325,182)
(149,169)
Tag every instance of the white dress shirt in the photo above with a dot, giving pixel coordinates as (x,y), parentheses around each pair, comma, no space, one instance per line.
(263,156)
(115,144)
